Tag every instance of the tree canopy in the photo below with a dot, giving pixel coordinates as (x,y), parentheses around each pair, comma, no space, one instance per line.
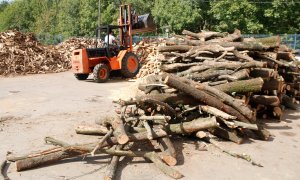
(80,17)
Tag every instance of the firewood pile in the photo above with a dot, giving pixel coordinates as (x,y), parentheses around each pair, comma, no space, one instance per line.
(146,49)
(208,85)
(22,54)
(67,47)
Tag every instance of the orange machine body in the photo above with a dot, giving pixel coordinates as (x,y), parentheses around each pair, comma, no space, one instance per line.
(82,64)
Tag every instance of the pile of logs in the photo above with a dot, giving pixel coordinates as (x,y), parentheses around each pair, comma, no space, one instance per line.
(260,72)
(22,54)
(208,85)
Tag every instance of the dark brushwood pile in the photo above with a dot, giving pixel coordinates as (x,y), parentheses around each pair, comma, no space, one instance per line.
(211,85)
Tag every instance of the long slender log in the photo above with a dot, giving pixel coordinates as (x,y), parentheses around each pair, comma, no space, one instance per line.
(265,100)
(192,126)
(110,132)
(112,167)
(236,36)
(149,130)
(210,100)
(216,112)
(209,74)
(91,129)
(212,139)
(56,154)
(175,67)
(243,86)
(204,35)
(235,124)
(118,127)
(241,74)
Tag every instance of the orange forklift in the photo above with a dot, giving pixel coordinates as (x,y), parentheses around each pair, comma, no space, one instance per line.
(102,61)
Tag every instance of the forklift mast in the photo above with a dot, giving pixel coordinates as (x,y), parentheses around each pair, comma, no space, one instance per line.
(125,20)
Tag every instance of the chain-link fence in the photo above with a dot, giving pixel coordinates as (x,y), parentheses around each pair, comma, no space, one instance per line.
(292,40)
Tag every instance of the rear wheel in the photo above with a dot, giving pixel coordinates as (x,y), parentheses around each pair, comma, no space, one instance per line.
(130,65)
(81,76)
(101,73)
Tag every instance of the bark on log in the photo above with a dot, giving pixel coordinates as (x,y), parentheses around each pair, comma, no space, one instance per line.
(3,167)
(236,36)
(175,82)
(265,100)
(243,86)
(263,73)
(209,74)
(110,132)
(118,126)
(241,74)
(288,102)
(192,126)
(167,148)
(112,167)
(273,84)
(204,35)
(227,134)
(285,55)
(175,67)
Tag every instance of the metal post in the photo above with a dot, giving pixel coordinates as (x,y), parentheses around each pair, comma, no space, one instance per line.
(295,41)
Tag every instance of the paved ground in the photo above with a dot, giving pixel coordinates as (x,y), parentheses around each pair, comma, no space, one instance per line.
(33,107)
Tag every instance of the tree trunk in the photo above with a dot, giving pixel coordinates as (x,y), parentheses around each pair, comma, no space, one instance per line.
(243,86)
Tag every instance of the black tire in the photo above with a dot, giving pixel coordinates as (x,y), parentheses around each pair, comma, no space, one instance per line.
(130,72)
(81,76)
(101,73)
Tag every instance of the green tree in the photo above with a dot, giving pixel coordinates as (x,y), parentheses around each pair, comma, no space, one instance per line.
(282,16)
(231,14)
(177,14)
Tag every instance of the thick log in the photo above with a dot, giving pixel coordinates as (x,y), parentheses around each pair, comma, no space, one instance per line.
(227,134)
(273,41)
(236,36)
(242,56)
(289,56)
(241,74)
(243,86)
(210,100)
(91,130)
(216,112)
(277,112)
(204,35)
(273,84)
(118,127)
(288,102)
(265,100)
(263,73)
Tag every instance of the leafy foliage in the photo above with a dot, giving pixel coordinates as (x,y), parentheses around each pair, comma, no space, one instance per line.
(80,17)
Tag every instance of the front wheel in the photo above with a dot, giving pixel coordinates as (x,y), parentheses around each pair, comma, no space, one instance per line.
(81,76)
(130,65)
(101,73)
